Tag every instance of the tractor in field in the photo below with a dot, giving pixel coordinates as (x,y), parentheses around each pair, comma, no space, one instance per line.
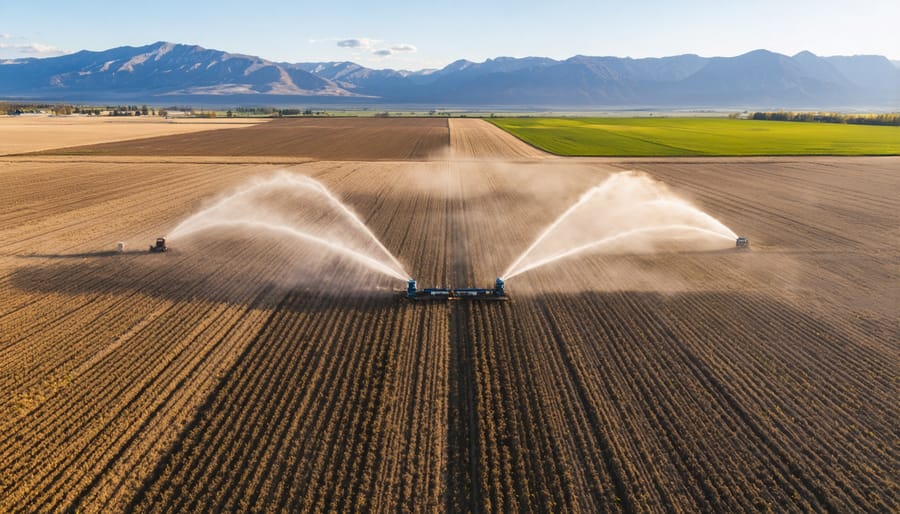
(742,242)
(160,246)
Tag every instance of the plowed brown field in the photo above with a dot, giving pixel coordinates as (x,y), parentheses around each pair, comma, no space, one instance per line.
(196,381)
(344,139)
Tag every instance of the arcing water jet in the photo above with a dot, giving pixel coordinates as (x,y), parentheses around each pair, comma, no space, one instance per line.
(355,220)
(303,209)
(628,212)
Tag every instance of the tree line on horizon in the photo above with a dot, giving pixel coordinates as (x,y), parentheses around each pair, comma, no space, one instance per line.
(12,109)
(828,117)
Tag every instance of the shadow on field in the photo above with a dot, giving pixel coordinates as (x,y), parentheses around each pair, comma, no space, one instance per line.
(83,255)
(706,346)
(236,271)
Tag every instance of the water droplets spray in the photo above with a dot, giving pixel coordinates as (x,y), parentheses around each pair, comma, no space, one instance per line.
(628,212)
(302,209)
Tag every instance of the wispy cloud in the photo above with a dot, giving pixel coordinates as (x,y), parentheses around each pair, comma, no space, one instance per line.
(361,42)
(375,47)
(17,46)
(40,49)
(396,49)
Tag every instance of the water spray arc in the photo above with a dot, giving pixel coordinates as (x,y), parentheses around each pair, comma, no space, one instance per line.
(585,197)
(614,239)
(364,259)
(249,207)
(628,212)
(356,221)
(622,212)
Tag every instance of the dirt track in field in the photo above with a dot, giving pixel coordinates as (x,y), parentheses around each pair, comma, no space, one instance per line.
(475,139)
(218,376)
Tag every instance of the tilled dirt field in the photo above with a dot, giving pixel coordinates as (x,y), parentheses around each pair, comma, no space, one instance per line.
(344,139)
(196,380)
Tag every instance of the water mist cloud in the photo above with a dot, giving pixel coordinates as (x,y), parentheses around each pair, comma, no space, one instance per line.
(300,209)
(628,213)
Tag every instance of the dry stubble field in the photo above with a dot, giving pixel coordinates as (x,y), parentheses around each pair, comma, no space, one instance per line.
(193,381)
(27,133)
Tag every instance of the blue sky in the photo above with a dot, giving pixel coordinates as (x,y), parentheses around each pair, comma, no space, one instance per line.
(423,34)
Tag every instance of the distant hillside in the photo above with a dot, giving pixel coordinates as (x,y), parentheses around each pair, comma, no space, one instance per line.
(164,72)
(155,71)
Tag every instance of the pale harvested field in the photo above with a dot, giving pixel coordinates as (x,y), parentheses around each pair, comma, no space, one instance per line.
(475,139)
(195,381)
(22,134)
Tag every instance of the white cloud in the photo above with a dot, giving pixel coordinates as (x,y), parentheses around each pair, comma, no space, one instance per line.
(361,42)
(403,48)
(387,52)
(14,46)
(375,47)
(40,49)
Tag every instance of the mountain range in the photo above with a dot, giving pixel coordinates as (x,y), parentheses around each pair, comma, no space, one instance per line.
(165,73)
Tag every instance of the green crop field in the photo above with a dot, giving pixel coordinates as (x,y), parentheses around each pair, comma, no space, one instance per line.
(699,136)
